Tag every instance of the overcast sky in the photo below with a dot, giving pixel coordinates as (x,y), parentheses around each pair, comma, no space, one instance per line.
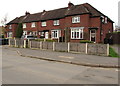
(16,8)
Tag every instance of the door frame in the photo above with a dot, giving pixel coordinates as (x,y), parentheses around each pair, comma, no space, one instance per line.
(95,35)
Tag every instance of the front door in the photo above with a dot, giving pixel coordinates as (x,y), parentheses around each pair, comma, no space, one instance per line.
(93,35)
(46,35)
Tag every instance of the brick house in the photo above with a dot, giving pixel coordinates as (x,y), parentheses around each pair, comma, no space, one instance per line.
(69,24)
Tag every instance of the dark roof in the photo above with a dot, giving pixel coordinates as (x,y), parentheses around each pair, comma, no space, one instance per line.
(59,13)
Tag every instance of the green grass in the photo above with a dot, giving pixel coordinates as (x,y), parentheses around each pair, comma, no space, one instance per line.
(113,53)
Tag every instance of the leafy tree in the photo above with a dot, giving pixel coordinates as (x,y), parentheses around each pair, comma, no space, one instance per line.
(19,31)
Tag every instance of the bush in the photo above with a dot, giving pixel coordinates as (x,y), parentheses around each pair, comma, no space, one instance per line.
(47,40)
(85,41)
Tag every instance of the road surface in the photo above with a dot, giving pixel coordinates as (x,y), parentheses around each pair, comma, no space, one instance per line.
(25,70)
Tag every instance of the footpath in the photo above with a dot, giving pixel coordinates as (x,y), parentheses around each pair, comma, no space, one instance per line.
(71,58)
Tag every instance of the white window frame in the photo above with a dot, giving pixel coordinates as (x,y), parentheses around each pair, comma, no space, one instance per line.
(9,34)
(10,26)
(43,24)
(55,34)
(56,22)
(76,19)
(24,25)
(106,20)
(33,24)
(77,32)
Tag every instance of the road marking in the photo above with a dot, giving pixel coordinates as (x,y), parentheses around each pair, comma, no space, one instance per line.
(66,57)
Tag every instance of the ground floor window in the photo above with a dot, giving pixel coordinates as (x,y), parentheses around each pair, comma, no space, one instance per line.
(77,33)
(9,34)
(55,33)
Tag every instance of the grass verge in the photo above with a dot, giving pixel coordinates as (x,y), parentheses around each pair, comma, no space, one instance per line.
(113,53)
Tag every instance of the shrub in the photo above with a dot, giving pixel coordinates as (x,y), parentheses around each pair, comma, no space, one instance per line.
(85,41)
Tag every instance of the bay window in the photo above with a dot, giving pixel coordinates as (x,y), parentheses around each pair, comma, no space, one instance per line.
(77,33)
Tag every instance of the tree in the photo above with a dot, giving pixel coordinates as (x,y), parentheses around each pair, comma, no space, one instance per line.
(19,31)
(3,23)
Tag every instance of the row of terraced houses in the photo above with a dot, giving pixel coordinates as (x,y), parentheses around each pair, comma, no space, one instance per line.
(71,24)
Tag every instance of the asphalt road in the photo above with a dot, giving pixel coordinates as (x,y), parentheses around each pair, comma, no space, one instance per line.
(24,70)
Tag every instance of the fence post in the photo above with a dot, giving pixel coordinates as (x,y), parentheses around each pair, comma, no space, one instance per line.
(68,46)
(30,44)
(53,46)
(24,43)
(9,42)
(41,45)
(107,49)
(15,43)
(86,51)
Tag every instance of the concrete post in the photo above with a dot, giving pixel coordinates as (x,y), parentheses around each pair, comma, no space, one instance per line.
(107,49)
(9,42)
(30,44)
(53,46)
(44,39)
(68,46)
(24,43)
(86,51)
(41,45)
(15,43)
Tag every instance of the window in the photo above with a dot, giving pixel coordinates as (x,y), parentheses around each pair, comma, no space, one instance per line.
(56,22)
(77,33)
(10,26)
(9,34)
(55,33)
(33,24)
(76,19)
(105,19)
(24,32)
(24,25)
(43,24)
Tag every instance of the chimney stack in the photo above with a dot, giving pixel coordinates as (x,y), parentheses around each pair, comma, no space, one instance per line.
(27,13)
(70,4)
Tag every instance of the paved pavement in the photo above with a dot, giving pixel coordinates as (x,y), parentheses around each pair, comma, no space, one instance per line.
(71,58)
(23,70)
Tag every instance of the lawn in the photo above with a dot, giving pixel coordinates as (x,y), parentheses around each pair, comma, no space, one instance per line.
(113,53)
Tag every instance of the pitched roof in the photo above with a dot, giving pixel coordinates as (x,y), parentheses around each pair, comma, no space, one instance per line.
(59,13)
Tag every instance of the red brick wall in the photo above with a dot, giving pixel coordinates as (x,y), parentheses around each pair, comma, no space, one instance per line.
(85,21)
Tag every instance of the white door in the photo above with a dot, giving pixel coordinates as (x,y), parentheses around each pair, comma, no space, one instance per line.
(46,35)
(93,35)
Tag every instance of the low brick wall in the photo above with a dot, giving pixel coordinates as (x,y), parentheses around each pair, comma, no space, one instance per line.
(97,49)
(19,43)
(78,47)
(11,42)
(35,44)
(47,45)
(86,48)
(61,47)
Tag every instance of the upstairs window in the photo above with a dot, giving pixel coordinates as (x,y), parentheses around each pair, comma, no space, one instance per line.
(56,22)
(10,26)
(33,24)
(24,25)
(43,24)
(105,19)
(76,19)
